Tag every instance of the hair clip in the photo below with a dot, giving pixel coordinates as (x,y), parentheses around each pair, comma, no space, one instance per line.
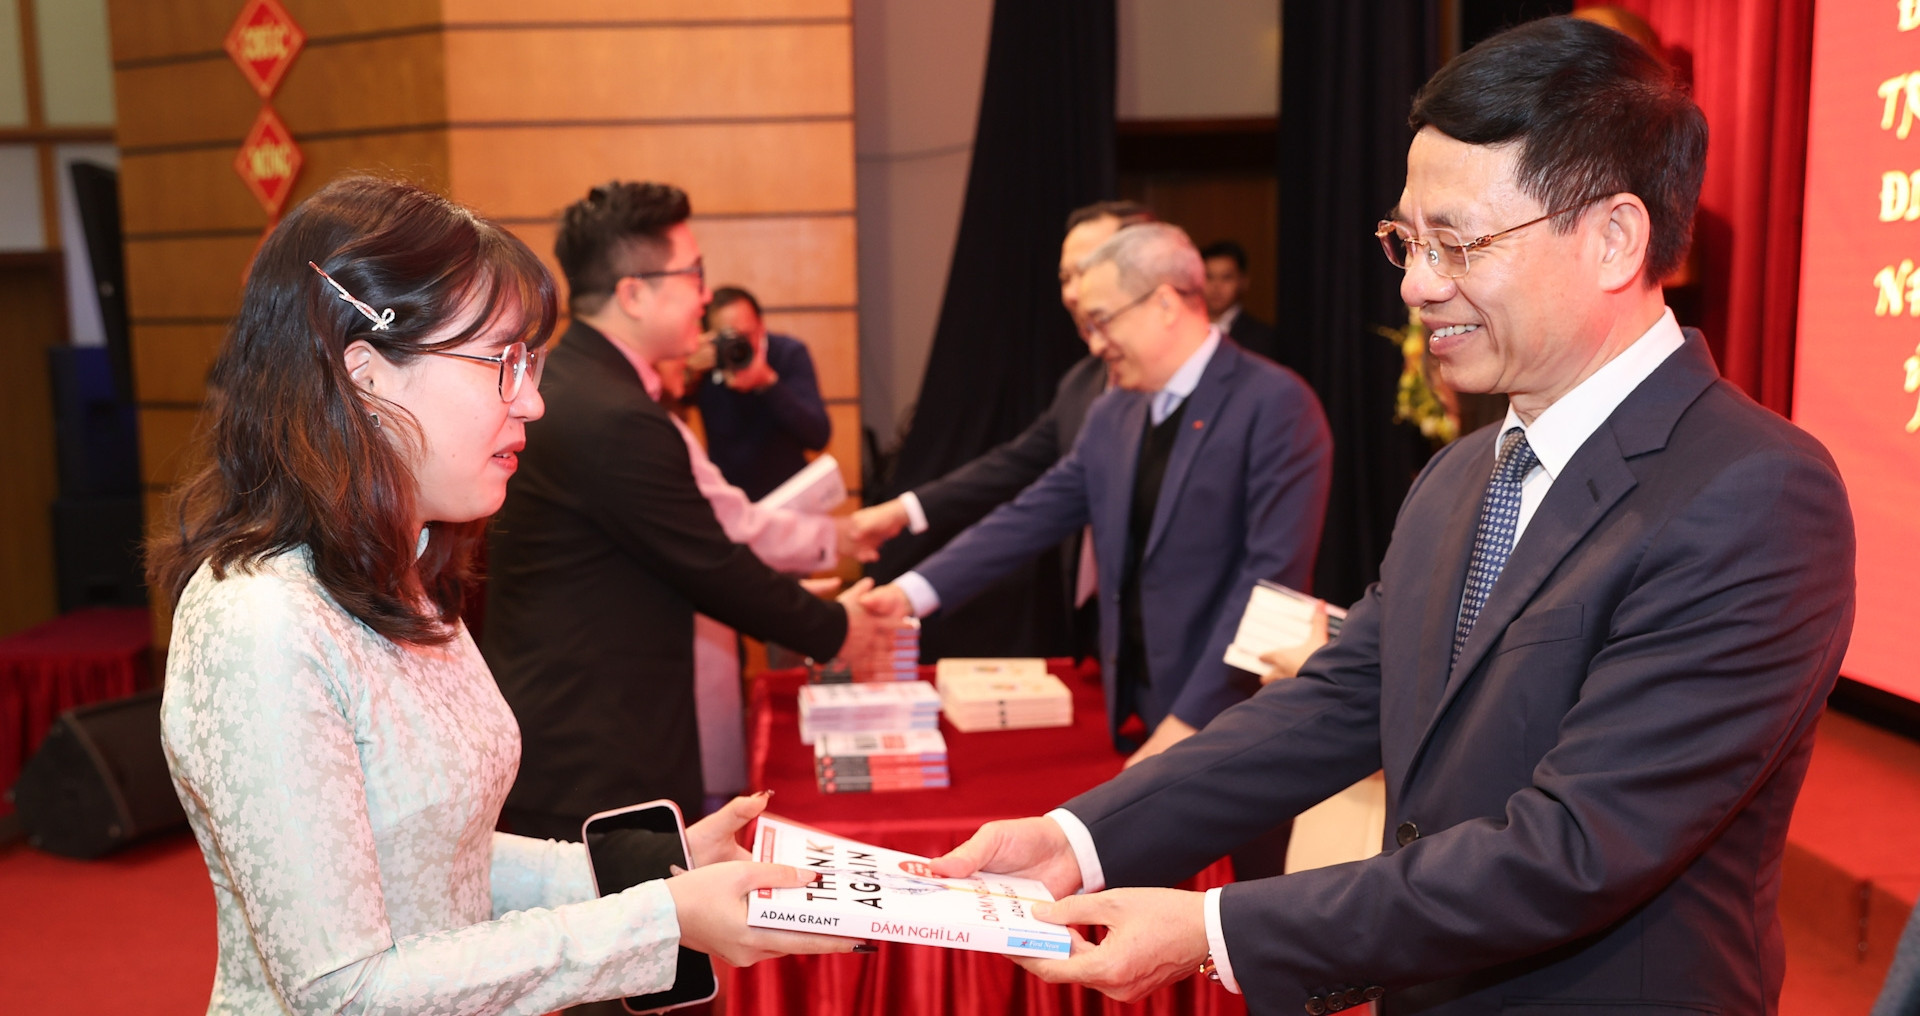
(381,321)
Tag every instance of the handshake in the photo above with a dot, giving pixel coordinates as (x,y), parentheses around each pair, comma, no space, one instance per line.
(874,617)
(863,532)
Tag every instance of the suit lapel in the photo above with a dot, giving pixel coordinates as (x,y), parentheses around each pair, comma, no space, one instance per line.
(1453,543)
(1202,408)
(1595,480)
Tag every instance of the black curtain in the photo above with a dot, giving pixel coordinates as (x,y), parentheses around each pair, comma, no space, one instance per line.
(1043,147)
(1348,74)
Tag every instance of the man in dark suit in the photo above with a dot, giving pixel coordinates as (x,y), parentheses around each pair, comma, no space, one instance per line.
(937,511)
(1226,264)
(1205,471)
(1600,639)
(605,547)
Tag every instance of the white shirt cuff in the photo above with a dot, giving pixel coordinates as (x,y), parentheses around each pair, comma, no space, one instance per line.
(919,593)
(1092,879)
(916,515)
(1217,943)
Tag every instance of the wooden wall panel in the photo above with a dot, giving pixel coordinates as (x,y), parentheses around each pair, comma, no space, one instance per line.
(144,30)
(798,262)
(512,11)
(167,451)
(845,442)
(170,362)
(197,190)
(531,173)
(615,74)
(833,338)
(190,277)
(151,110)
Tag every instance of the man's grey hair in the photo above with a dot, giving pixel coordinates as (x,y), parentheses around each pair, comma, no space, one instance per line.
(1149,255)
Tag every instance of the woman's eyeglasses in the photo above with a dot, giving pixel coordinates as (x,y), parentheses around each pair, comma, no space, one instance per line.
(519,365)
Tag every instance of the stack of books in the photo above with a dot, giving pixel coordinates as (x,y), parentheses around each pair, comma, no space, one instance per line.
(897,659)
(1276,617)
(1002,695)
(888,760)
(867,708)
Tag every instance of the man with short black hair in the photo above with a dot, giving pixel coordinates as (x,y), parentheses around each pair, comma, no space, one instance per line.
(606,547)
(1226,264)
(1601,636)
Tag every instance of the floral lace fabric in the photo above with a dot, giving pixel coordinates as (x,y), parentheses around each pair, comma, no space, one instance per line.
(344,789)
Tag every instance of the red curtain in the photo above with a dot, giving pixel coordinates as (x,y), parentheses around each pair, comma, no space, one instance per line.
(1750,62)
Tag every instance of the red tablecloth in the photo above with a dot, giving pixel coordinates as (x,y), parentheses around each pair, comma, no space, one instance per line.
(1002,774)
(86,656)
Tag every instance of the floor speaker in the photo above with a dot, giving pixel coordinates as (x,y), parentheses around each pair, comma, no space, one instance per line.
(99,782)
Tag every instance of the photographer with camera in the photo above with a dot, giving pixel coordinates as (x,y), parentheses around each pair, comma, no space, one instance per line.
(757,396)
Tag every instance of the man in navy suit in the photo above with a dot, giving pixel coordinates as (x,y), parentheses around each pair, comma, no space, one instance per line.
(1202,472)
(1600,639)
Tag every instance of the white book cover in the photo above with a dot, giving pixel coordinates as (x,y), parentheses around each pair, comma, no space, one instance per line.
(951,668)
(908,743)
(1275,617)
(870,892)
(817,489)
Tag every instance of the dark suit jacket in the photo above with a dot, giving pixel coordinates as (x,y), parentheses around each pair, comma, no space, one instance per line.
(1255,335)
(598,560)
(1031,611)
(1243,499)
(758,439)
(1586,813)
(964,496)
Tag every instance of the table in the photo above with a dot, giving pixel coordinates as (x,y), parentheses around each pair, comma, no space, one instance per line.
(85,656)
(999,774)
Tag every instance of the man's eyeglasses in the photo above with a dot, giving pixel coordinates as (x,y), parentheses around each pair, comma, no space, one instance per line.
(698,270)
(1442,250)
(1097,324)
(519,365)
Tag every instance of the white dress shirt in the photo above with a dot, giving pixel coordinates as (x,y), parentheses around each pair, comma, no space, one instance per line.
(920,592)
(1555,435)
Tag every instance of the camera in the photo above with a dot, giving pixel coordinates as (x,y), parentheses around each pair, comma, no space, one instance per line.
(731,351)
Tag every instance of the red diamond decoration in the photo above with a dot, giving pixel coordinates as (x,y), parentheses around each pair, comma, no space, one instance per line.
(263,42)
(269,161)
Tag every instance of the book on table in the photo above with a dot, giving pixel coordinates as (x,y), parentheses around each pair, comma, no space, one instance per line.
(1011,694)
(867,892)
(1276,617)
(860,708)
(880,761)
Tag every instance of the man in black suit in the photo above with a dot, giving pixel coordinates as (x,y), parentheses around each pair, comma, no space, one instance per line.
(1601,636)
(1226,263)
(937,511)
(605,547)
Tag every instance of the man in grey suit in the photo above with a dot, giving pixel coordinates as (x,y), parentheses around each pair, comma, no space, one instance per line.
(1204,471)
(1600,639)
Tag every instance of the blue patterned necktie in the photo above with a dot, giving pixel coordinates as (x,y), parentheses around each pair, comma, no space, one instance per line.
(1493,541)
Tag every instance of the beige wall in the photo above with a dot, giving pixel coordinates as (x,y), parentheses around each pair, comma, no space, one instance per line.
(918,70)
(1218,60)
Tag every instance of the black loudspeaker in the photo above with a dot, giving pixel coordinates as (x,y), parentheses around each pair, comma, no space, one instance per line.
(99,782)
(94,429)
(96,552)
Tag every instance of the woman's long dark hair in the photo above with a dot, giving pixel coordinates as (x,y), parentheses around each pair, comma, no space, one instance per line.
(292,455)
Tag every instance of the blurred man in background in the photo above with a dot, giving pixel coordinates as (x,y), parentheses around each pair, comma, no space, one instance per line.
(762,414)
